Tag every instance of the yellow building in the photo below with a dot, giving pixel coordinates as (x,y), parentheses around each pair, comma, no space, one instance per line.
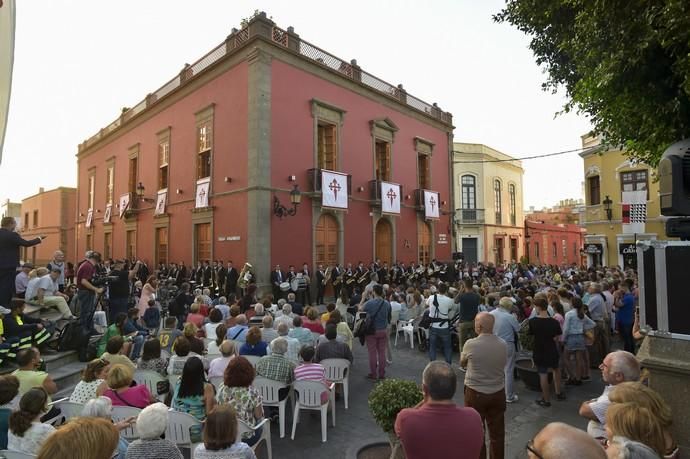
(608,172)
(489,220)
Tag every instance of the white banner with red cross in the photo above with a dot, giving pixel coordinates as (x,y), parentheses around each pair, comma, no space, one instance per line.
(333,189)
(431,205)
(202,190)
(390,198)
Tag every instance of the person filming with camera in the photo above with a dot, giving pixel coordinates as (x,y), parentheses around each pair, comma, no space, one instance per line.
(87,291)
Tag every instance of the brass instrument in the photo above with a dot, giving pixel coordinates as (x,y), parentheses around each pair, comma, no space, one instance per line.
(338,280)
(363,277)
(326,276)
(245,275)
(351,278)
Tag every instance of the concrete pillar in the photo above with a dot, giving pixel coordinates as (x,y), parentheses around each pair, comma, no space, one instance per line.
(668,362)
(259,212)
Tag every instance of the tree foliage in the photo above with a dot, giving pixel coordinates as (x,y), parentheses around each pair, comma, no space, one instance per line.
(625,63)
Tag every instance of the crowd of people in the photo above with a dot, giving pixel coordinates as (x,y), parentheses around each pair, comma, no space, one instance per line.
(209,332)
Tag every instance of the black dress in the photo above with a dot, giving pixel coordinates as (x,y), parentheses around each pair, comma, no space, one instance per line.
(545,329)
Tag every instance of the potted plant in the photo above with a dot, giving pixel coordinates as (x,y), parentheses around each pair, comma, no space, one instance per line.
(385,402)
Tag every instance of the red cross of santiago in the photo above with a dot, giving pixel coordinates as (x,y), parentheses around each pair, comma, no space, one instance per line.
(391,195)
(335,187)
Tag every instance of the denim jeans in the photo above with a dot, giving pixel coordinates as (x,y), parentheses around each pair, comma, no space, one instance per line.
(87,306)
(137,345)
(442,334)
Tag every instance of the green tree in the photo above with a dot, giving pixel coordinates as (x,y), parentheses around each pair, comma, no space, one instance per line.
(624,63)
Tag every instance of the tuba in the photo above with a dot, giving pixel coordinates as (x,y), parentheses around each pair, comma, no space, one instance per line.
(245,275)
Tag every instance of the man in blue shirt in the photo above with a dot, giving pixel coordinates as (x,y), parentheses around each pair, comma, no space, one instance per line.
(625,315)
(380,310)
(239,331)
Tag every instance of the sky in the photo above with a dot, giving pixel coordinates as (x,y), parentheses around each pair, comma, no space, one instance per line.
(78,62)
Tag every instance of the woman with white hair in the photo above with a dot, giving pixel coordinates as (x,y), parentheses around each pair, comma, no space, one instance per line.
(623,448)
(151,424)
(102,407)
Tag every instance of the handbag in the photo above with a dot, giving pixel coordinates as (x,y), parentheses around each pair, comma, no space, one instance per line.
(589,337)
(365,326)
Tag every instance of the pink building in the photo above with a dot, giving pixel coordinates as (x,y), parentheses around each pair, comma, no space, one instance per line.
(554,244)
(199,169)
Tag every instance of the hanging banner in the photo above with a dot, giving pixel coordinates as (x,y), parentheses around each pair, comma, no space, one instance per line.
(634,211)
(124,204)
(160,203)
(108,213)
(333,189)
(431,205)
(390,198)
(89,218)
(202,189)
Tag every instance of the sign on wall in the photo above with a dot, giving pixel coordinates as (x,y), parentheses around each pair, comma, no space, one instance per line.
(431,205)
(89,218)
(124,204)
(160,202)
(202,190)
(594,249)
(390,198)
(108,213)
(333,189)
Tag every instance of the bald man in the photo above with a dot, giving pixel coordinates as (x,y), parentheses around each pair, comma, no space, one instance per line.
(562,441)
(485,357)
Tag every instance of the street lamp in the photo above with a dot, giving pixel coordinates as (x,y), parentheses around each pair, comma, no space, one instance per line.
(607,207)
(140,194)
(281,211)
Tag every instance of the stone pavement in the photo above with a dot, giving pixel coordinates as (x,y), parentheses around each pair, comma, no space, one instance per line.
(355,426)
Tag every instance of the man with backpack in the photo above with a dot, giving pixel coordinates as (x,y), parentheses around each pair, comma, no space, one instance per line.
(378,312)
(439,330)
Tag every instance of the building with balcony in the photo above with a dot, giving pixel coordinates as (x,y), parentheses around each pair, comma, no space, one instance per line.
(564,213)
(553,244)
(608,173)
(49,213)
(208,166)
(487,186)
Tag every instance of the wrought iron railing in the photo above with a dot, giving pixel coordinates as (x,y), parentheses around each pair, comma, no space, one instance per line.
(470,216)
(289,40)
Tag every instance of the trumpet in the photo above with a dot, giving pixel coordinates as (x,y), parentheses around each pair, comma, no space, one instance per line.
(245,275)
(326,276)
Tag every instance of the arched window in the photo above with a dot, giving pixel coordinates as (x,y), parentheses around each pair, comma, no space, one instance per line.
(511,194)
(469,192)
(326,240)
(497,201)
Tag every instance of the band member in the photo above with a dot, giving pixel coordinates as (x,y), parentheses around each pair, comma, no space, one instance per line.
(181,274)
(198,274)
(307,272)
(207,274)
(383,273)
(336,280)
(277,278)
(231,279)
(321,281)
(221,278)
(214,279)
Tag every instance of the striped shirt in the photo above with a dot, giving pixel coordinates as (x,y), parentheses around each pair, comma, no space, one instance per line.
(311,372)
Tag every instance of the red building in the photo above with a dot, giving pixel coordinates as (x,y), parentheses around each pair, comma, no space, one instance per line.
(196,170)
(553,244)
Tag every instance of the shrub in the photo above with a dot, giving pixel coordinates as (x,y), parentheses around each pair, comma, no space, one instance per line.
(389,397)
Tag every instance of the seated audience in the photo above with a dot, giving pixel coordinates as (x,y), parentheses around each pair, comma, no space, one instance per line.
(325,317)
(45,294)
(121,392)
(293,344)
(117,328)
(300,333)
(286,316)
(26,432)
(562,441)
(9,392)
(312,322)
(277,367)
(228,351)
(169,334)
(623,448)
(310,371)
(332,348)
(115,352)
(234,313)
(29,360)
(220,437)
(237,391)
(138,333)
(102,407)
(151,425)
(258,316)
(182,353)
(22,329)
(92,382)
(212,347)
(194,317)
(82,438)
(344,333)
(438,420)
(268,333)
(239,331)
(223,307)
(193,394)
(151,358)
(215,318)
(636,423)
(196,344)
(253,344)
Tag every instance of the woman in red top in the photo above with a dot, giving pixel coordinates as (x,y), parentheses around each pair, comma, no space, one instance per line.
(119,381)
(311,321)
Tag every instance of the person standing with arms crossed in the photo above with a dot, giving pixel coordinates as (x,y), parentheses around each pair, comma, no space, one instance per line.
(10,242)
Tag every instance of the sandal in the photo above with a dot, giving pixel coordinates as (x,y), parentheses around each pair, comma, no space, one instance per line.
(542,402)
(560,396)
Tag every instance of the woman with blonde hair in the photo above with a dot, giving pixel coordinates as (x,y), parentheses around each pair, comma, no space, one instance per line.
(635,423)
(120,391)
(191,331)
(82,438)
(642,396)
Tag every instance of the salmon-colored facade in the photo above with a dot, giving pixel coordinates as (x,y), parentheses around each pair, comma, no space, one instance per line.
(51,214)
(559,244)
(271,102)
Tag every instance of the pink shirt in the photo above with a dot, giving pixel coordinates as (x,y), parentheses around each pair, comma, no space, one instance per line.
(147,293)
(137,396)
(313,372)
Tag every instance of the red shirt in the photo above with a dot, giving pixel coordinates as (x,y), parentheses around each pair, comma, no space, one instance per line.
(314,327)
(439,430)
(86,271)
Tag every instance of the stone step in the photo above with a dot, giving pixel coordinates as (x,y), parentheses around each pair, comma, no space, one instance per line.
(67,376)
(55,361)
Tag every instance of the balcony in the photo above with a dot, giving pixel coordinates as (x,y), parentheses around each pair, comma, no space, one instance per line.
(314,177)
(469,216)
(375,192)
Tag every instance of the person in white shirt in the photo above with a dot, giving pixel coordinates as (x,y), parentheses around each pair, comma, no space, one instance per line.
(43,292)
(506,327)
(268,333)
(228,351)
(294,345)
(285,318)
(439,310)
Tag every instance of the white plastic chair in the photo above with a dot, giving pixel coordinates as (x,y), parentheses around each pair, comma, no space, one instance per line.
(120,413)
(68,410)
(210,357)
(242,427)
(150,379)
(315,338)
(309,398)
(253,359)
(338,372)
(269,395)
(7,454)
(217,381)
(177,431)
(407,328)
(173,381)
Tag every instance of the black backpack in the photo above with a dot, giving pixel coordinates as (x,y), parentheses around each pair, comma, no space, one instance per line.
(72,338)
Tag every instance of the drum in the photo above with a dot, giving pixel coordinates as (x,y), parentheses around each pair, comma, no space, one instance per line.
(285,286)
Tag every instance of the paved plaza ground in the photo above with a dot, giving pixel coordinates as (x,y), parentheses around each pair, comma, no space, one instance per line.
(355,426)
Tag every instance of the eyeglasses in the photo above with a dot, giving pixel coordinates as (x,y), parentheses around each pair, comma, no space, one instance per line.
(530,447)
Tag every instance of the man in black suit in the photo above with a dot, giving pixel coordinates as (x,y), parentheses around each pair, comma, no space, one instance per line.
(307,292)
(9,257)
(221,276)
(206,274)
(181,274)
(335,273)
(231,279)
(277,277)
(320,284)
